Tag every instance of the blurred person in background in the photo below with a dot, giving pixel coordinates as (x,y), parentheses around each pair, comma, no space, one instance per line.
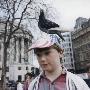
(28,79)
(19,85)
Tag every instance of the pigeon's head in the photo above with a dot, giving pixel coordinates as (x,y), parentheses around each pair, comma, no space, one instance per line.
(41,12)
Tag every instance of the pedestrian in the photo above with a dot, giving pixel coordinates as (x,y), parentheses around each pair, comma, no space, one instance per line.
(19,85)
(54,75)
(28,79)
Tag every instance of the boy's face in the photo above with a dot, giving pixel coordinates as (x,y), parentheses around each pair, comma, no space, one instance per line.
(49,59)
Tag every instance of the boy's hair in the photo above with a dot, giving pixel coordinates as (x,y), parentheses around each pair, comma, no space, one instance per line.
(54,46)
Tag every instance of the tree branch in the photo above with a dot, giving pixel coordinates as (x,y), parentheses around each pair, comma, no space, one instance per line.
(19,22)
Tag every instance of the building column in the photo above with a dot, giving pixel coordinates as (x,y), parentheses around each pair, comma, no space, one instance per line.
(11,50)
(17,51)
(30,54)
(22,50)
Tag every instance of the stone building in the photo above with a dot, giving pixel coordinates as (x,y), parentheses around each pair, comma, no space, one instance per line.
(19,62)
(79,22)
(81,49)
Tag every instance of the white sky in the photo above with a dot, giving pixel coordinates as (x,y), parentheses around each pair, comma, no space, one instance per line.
(70,10)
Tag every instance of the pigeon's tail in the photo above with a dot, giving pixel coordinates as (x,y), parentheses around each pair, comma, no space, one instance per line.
(53,25)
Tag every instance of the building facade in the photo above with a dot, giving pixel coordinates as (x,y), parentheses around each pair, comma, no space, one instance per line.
(68,59)
(19,62)
(81,49)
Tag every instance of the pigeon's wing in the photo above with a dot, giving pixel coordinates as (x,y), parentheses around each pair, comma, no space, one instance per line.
(56,32)
(49,24)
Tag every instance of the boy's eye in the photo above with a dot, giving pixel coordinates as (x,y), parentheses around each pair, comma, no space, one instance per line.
(47,53)
(38,55)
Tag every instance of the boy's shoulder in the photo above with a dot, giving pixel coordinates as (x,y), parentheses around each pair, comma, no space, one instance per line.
(78,81)
(74,76)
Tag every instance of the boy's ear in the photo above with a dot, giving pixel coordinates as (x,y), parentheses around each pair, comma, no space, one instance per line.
(61,54)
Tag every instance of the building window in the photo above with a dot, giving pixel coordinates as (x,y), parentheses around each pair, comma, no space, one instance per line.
(72,65)
(71,54)
(26,68)
(71,60)
(68,39)
(20,78)
(19,68)
(67,35)
(64,60)
(7,69)
(70,49)
(69,44)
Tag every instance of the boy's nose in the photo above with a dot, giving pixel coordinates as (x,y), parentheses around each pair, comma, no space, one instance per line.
(43,58)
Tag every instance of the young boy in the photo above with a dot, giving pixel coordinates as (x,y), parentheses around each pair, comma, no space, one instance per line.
(54,75)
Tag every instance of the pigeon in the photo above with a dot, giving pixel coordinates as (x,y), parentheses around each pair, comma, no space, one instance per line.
(45,25)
